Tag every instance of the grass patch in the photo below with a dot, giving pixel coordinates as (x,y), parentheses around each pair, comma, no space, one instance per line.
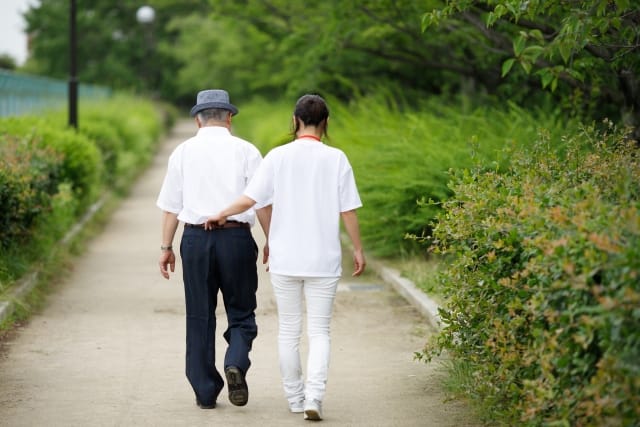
(423,272)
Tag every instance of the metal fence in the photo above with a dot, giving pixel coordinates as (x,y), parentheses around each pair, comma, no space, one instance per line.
(24,94)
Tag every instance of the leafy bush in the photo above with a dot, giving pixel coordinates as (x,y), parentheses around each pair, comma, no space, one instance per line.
(136,125)
(29,174)
(81,162)
(543,283)
(108,142)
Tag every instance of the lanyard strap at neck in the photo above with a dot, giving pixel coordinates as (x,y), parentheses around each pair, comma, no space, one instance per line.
(309,136)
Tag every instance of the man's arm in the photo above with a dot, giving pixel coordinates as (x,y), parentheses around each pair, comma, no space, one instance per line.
(167,257)
(350,220)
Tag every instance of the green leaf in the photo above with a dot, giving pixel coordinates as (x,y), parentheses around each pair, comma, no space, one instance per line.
(526,66)
(533,52)
(616,23)
(565,51)
(506,66)
(429,20)
(575,74)
(518,45)
(623,4)
(546,76)
(491,19)
(537,35)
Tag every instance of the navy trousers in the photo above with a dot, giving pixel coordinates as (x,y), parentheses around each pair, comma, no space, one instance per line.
(212,260)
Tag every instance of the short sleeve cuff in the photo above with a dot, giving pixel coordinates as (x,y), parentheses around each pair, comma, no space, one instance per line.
(167,208)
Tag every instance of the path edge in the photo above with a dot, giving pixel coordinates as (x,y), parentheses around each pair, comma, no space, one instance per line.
(29,281)
(426,306)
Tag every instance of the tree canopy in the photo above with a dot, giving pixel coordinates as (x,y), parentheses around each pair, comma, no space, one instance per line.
(587,50)
(585,54)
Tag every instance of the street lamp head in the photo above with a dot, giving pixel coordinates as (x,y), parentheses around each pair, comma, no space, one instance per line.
(145,14)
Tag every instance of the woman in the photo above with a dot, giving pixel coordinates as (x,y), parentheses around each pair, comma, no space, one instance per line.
(310,186)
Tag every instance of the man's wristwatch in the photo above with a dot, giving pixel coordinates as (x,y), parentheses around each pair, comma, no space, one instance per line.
(166,248)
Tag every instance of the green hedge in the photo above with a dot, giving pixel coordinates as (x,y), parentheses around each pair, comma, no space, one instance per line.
(125,130)
(543,283)
(50,173)
(29,177)
(81,161)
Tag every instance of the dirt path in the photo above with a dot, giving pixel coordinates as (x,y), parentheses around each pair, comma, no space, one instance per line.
(109,348)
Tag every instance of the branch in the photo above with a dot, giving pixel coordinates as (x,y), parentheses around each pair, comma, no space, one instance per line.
(423,62)
(599,52)
(417,37)
(500,41)
(547,31)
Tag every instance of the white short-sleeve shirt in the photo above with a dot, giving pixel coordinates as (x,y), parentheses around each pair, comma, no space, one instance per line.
(206,173)
(309,185)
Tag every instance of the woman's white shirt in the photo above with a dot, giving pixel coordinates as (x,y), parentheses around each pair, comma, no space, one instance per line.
(309,184)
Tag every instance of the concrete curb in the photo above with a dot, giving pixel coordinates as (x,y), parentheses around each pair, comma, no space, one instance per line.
(26,284)
(406,288)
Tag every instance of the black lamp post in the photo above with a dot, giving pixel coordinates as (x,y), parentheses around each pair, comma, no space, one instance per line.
(73,79)
(145,15)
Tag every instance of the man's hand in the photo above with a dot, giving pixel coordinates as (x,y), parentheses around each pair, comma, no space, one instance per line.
(167,261)
(213,221)
(358,262)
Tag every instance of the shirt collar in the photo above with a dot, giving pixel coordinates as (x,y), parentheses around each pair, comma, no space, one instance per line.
(213,130)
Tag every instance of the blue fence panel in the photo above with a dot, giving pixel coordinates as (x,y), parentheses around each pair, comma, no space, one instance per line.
(24,94)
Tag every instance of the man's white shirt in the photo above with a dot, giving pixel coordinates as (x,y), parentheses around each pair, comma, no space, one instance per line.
(213,156)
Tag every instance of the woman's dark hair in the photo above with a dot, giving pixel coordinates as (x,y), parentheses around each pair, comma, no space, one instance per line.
(311,110)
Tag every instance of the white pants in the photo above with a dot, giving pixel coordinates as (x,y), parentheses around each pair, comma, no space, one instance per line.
(319,293)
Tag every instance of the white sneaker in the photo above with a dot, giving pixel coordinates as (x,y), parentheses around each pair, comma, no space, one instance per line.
(313,410)
(297,407)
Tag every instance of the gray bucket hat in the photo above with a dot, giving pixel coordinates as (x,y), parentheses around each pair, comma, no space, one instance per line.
(213,98)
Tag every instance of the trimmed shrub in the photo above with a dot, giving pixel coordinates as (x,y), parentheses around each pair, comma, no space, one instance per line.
(108,142)
(29,176)
(542,283)
(136,126)
(81,161)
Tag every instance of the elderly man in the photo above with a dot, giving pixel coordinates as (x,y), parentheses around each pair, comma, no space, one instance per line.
(206,173)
